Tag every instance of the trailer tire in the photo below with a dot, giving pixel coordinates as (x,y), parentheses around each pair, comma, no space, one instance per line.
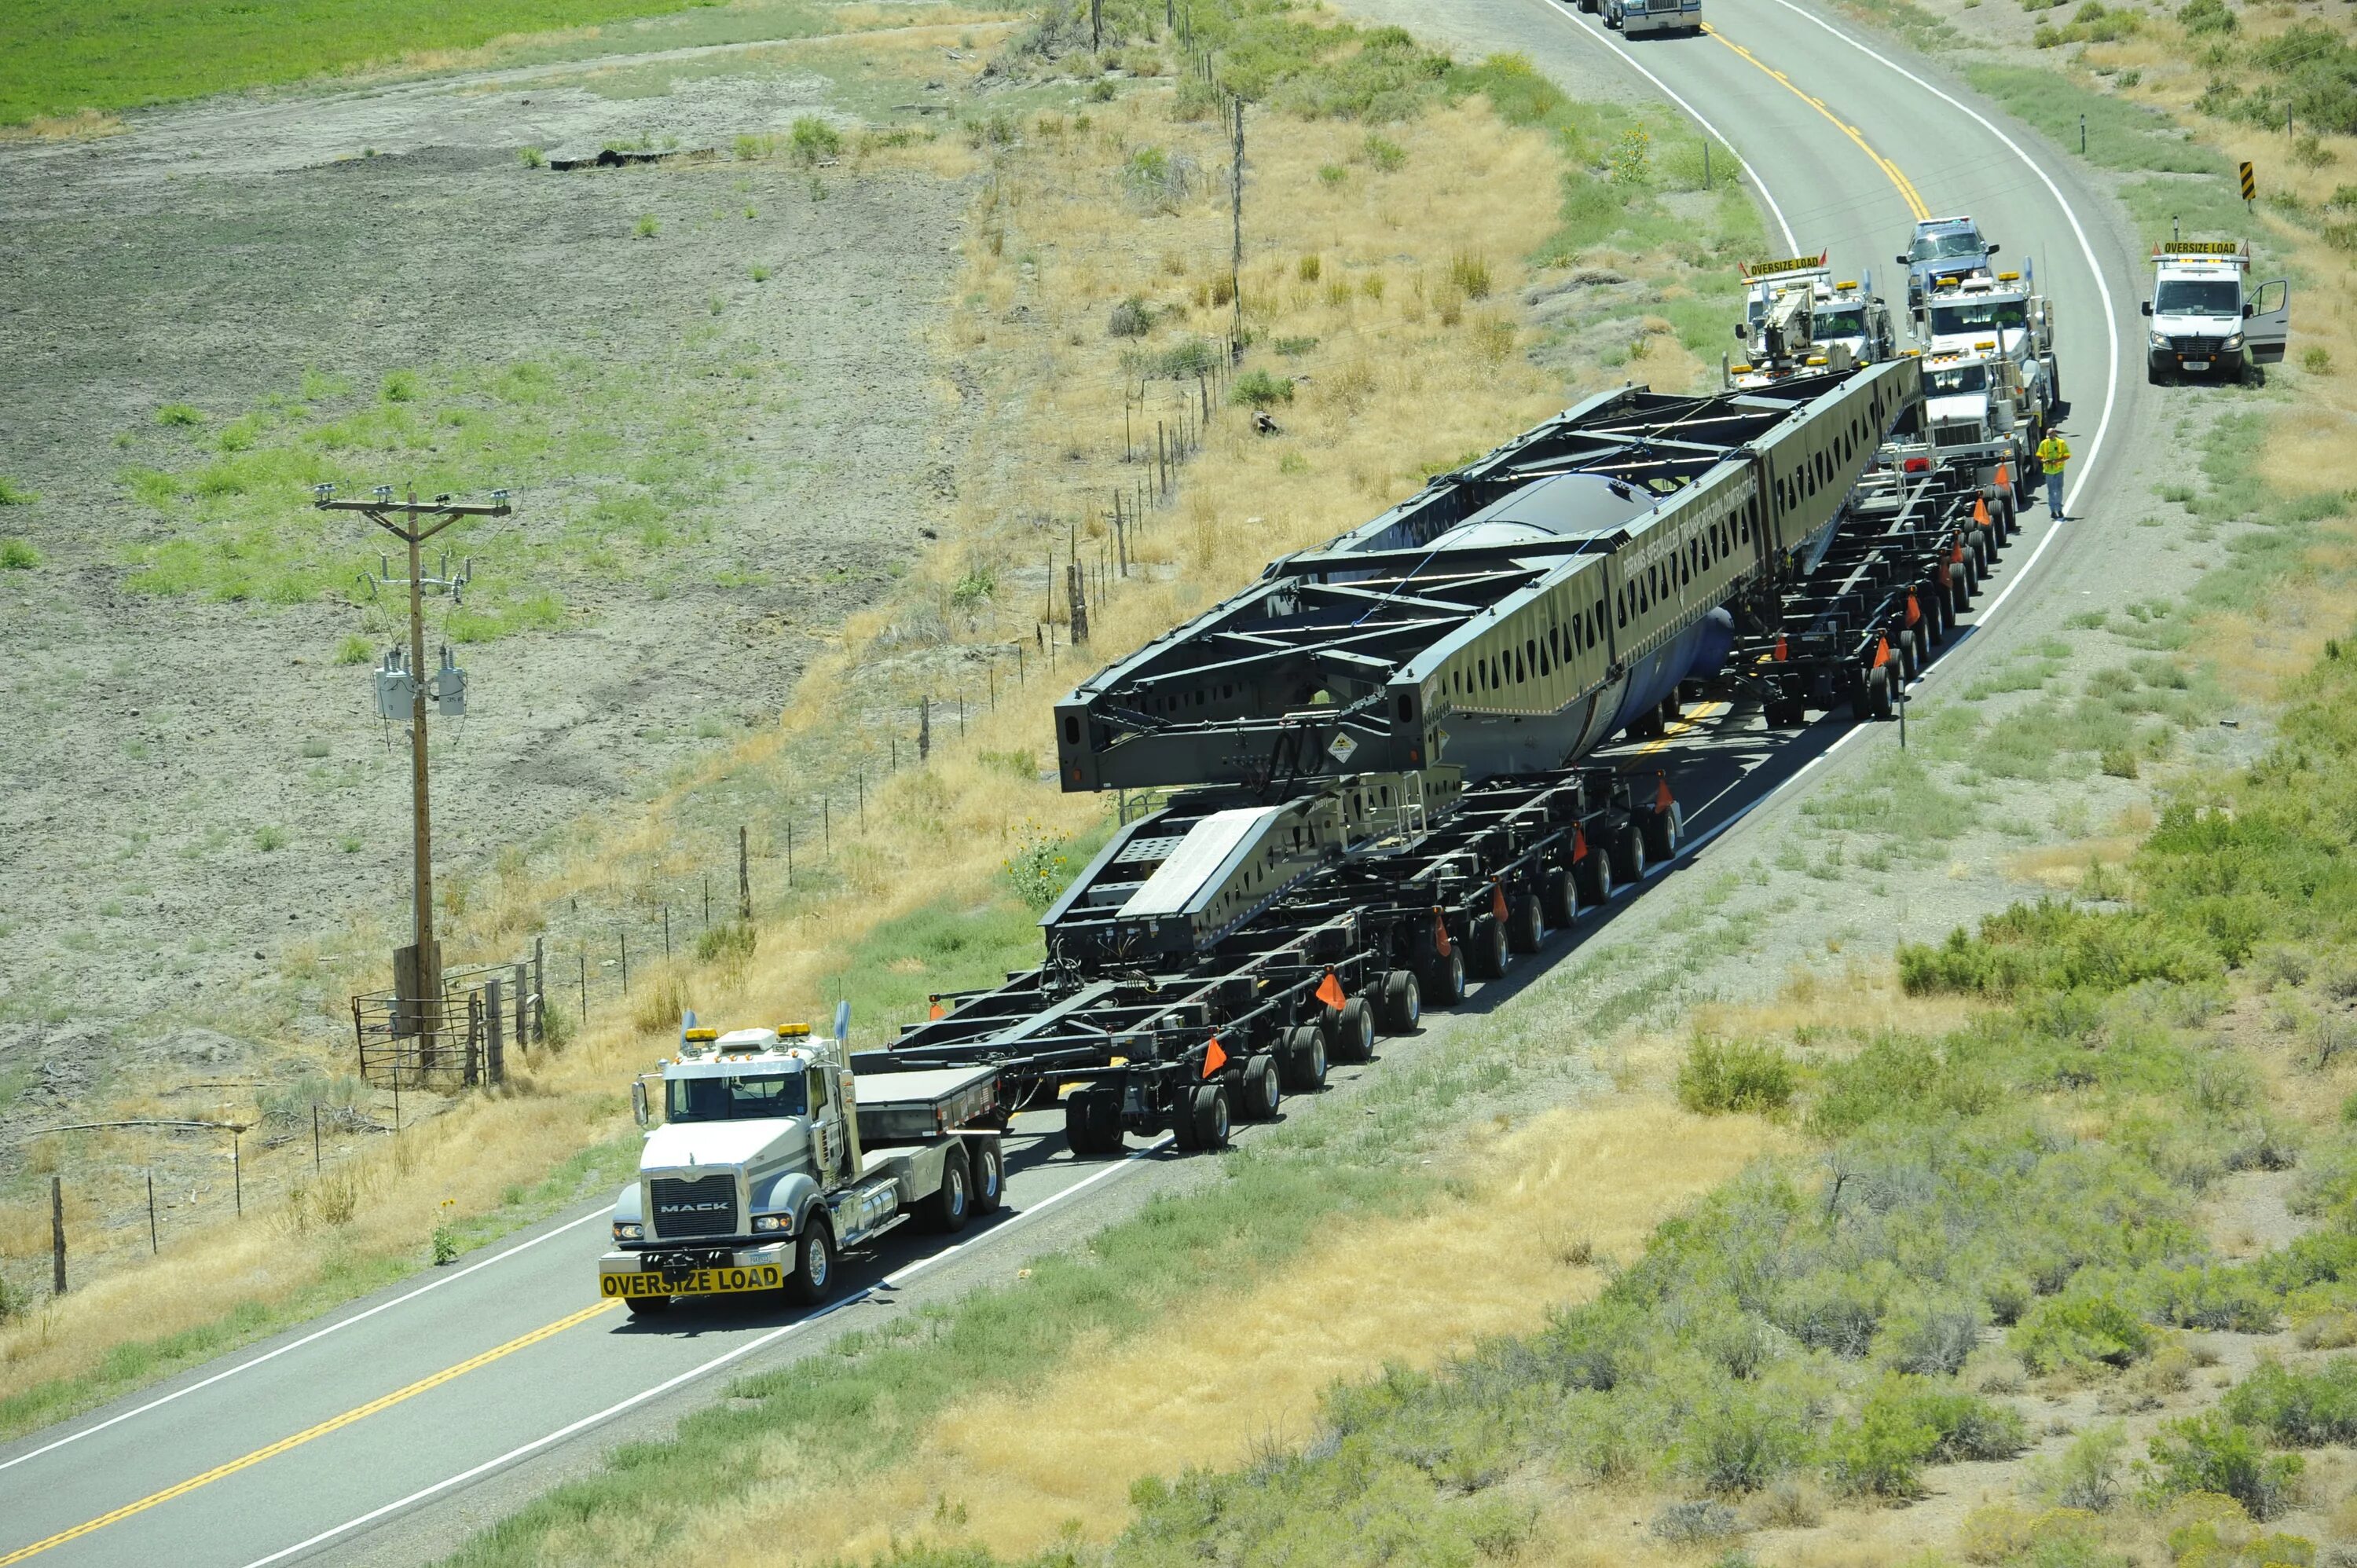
(1303,1062)
(1873,699)
(1557,902)
(1260,1093)
(1354,1032)
(1091,1121)
(1592,875)
(1207,1113)
(1443,980)
(989,1175)
(1960,588)
(1627,854)
(1486,952)
(1662,830)
(1400,1003)
(952,1204)
(814,1274)
(1904,655)
(647,1305)
(1525,924)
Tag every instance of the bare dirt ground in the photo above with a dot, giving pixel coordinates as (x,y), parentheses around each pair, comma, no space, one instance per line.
(194,788)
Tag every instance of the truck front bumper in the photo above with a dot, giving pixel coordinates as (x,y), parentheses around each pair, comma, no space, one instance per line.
(695,1271)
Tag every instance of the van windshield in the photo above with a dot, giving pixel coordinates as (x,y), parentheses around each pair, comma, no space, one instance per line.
(1961,379)
(1977,315)
(736,1099)
(2199,296)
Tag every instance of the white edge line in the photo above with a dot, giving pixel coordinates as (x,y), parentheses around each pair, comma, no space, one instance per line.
(2086,250)
(772,1337)
(1791,244)
(316,1334)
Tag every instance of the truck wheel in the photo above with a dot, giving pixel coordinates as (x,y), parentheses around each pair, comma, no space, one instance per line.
(989,1176)
(1627,854)
(1592,874)
(1485,944)
(1959,589)
(1556,901)
(1663,830)
(1400,1003)
(1354,1032)
(1262,1092)
(814,1274)
(1873,699)
(648,1305)
(952,1204)
(1304,1060)
(1525,924)
(1443,982)
(1209,1116)
(1903,655)
(1092,1122)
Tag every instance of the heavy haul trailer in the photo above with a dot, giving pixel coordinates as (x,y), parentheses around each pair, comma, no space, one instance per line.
(1382,738)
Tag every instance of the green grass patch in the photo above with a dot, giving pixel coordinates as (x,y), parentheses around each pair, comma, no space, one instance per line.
(60,56)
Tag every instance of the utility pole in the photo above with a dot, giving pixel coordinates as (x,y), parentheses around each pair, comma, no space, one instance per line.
(413,522)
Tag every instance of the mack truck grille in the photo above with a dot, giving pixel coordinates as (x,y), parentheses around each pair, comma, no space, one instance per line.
(705,1206)
(1955,435)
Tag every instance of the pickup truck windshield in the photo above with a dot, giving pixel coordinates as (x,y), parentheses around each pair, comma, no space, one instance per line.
(1839,324)
(1977,315)
(1940,247)
(2199,296)
(1961,379)
(736,1099)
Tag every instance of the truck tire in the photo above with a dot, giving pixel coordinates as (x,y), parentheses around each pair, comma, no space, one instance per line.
(1092,1123)
(1525,924)
(952,1204)
(989,1175)
(1627,854)
(1485,948)
(1872,702)
(1663,831)
(814,1274)
(1960,588)
(648,1305)
(1354,1032)
(1303,1062)
(1399,1004)
(1557,902)
(1592,875)
(1209,1116)
(1443,982)
(1904,655)
(1261,1093)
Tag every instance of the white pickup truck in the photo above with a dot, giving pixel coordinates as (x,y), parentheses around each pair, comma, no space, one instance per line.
(765,1158)
(2207,319)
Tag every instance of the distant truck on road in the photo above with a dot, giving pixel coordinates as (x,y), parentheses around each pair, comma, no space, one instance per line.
(2003,315)
(766,1160)
(2207,320)
(1635,18)
(1940,249)
(1842,311)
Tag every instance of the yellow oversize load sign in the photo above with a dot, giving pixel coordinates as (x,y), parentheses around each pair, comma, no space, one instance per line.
(1789,265)
(699,1281)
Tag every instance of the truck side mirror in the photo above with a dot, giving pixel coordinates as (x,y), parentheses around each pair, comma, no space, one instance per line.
(1741,336)
(2248,310)
(1902,261)
(2147,307)
(639,1102)
(1993,249)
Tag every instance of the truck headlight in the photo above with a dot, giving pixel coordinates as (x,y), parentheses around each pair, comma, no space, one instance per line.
(2233,341)
(625,1231)
(2157,340)
(773,1223)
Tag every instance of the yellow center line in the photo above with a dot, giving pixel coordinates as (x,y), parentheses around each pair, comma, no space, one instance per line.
(1677,727)
(332,1423)
(1905,187)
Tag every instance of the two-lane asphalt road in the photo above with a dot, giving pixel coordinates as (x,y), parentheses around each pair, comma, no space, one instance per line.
(387,1431)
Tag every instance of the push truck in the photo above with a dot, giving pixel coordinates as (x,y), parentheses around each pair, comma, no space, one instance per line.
(2207,319)
(765,1158)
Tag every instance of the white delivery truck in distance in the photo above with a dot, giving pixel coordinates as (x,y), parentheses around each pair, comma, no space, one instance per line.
(2207,319)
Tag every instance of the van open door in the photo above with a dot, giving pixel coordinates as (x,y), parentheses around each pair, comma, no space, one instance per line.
(2268,330)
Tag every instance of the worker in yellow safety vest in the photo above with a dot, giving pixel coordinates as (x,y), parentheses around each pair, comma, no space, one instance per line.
(2052,454)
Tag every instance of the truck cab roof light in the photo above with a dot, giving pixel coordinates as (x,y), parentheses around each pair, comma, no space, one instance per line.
(699,1034)
(793,1031)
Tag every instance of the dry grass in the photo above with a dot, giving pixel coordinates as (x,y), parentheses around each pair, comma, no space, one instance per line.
(2062,867)
(83,125)
(1390,390)
(1536,1216)
(1864,998)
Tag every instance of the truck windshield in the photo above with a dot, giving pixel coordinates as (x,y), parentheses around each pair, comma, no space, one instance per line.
(1940,247)
(2199,296)
(736,1099)
(1961,379)
(1839,324)
(1977,315)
